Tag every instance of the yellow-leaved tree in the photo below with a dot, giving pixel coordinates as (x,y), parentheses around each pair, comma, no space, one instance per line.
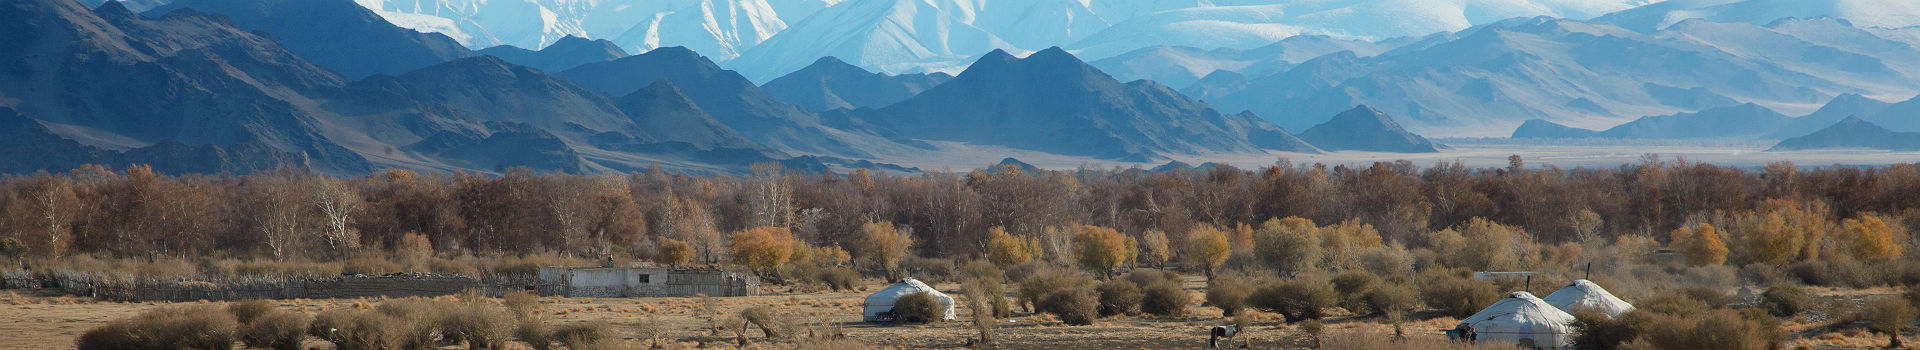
(1208,247)
(762,248)
(1006,250)
(1870,237)
(1700,246)
(1100,249)
(1153,247)
(884,246)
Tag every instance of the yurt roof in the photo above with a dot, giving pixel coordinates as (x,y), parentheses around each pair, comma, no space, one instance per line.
(1585,295)
(1520,312)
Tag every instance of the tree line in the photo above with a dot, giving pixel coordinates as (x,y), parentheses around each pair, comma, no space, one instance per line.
(1710,214)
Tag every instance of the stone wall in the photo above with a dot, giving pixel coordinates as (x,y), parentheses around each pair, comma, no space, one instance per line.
(646,282)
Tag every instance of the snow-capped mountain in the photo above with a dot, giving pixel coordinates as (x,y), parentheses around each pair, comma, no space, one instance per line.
(1866,13)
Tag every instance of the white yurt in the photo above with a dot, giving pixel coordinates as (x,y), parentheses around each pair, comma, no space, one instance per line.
(882,301)
(1583,295)
(1524,320)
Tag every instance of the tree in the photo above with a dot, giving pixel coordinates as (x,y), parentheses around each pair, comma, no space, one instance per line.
(1870,237)
(1006,250)
(673,252)
(336,204)
(770,196)
(1153,247)
(46,207)
(12,248)
(1099,249)
(884,246)
(1290,245)
(762,248)
(1700,246)
(1207,247)
(275,208)
(413,250)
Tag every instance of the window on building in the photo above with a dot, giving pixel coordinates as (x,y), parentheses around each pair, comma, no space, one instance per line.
(646,278)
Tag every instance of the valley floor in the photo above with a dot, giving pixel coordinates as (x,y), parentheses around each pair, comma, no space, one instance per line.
(1474,153)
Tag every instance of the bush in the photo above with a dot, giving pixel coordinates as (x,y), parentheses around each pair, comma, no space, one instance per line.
(165,328)
(1149,277)
(1229,294)
(1075,307)
(353,329)
(1387,298)
(368,265)
(525,305)
(1297,299)
(1459,297)
(1118,297)
(535,334)
(1042,281)
(480,325)
(1594,330)
(1787,300)
(837,278)
(245,311)
(928,270)
(762,315)
(918,307)
(1166,298)
(1353,286)
(1714,298)
(1673,303)
(277,329)
(1718,329)
(418,320)
(1889,316)
(579,336)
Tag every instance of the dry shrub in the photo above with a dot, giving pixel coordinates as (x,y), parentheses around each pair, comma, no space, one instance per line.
(1674,303)
(1890,316)
(418,321)
(991,282)
(918,307)
(1043,281)
(1298,299)
(838,278)
(1787,300)
(1076,307)
(1165,298)
(1229,294)
(1913,294)
(245,311)
(1357,340)
(1594,330)
(1841,271)
(276,329)
(369,265)
(1353,286)
(166,328)
(1118,297)
(1389,297)
(356,329)
(1458,296)
(535,334)
(480,325)
(1714,298)
(525,305)
(928,269)
(580,336)
(1149,277)
(1715,330)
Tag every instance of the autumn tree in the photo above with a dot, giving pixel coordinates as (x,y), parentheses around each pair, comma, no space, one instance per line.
(1871,237)
(1154,247)
(335,205)
(1341,244)
(44,210)
(769,196)
(276,207)
(1006,250)
(1100,249)
(1290,245)
(762,248)
(1208,247)
(884,246)
(673,252)
(1491,246)
(1700,246)
(413,250)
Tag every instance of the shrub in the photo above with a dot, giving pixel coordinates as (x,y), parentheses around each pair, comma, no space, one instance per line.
(1388,298)
(368,265)
(481,326)
(929,270)
(1148,277)
(1714,298)
(1787,300)
(1118,297)
(585,335)
(1166,298)
(525,305)
(1297,299)
(1889,316)
(1076,306)
(418,320)
(1672,303)
(277,329)
(1913,294)
(245,311)
(1594,330)
(535,334)
(1229,294)
(353,329)
(837,278)
(1353,286)
(762,315)
(918,307)
(1046,280)
(165,328)
(1459,297)
(1718,329)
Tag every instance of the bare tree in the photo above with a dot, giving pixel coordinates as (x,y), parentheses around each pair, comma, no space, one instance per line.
(769,196)
(275,210)
(337,204)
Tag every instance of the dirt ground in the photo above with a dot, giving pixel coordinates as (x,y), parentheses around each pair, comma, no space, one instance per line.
(42,320)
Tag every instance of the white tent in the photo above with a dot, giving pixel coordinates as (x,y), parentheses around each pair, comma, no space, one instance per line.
(882,301)
(1583,295)
(1522,319)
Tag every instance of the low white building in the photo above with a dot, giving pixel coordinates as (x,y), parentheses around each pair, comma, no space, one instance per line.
(623,282)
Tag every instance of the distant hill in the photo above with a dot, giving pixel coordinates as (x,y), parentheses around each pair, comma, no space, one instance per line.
(1053,102)
(832,84)
(1541,128)
(1841,107)
(569,52)
(1742,121)
(1366,129)
(1853,132)
(336,34)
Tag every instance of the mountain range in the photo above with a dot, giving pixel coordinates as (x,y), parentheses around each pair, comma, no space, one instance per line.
(1853,133)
